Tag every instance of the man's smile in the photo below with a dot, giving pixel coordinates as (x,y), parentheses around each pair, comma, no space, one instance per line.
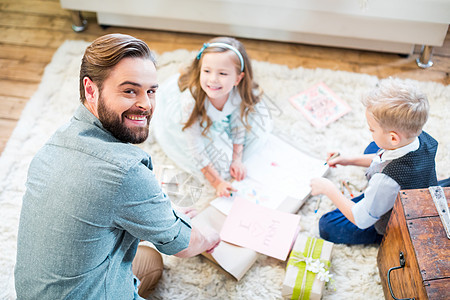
(136,117)
(139,120)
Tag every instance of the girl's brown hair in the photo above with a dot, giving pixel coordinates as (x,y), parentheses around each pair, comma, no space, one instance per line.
(190,79)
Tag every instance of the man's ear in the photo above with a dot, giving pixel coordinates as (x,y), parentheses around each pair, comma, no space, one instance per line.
(91,93)
(90,90)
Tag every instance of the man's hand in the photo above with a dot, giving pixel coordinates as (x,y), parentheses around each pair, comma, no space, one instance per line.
(213,240)
(204,240)
(188,211)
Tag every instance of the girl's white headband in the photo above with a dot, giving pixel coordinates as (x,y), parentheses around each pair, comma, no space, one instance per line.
(224,45)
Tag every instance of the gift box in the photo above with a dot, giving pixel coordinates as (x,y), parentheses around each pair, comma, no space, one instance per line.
(307,269)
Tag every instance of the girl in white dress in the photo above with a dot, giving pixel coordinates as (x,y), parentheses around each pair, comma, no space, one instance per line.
(211,117)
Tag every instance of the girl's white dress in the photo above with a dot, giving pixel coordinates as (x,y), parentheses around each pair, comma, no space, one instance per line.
(192,151)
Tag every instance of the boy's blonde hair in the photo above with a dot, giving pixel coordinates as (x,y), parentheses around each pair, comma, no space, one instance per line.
(398,106)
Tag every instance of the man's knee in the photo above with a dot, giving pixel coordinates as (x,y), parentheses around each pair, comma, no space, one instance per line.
(147,267)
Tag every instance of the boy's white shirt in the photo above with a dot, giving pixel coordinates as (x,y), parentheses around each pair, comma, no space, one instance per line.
(382,190)
(399,152)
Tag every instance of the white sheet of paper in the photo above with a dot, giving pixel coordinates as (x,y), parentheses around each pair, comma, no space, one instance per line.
(279,171)
(285,167)
(265,195)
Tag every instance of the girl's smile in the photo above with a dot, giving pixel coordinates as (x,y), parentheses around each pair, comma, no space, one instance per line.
(219,74)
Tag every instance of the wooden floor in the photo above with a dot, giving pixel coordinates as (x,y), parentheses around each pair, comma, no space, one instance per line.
(31,31)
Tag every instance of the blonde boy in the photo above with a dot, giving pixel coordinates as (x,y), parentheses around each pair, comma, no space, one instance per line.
(396,112)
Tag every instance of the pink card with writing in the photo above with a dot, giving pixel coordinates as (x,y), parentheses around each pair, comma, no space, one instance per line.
(320,105)
(267,231)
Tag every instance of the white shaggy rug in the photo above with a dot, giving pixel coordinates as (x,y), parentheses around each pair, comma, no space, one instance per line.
(354,267)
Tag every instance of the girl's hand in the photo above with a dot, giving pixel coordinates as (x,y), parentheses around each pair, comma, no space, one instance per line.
(321,185)
(238,170)
(224,189)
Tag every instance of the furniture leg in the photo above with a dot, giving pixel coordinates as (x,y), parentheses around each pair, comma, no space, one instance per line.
(424,59)
(79,23)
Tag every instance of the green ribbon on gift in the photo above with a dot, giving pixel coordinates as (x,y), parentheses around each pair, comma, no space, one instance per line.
(305,279)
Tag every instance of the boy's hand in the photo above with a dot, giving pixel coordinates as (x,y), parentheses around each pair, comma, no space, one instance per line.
(238,170)
(334,159)
(321,185)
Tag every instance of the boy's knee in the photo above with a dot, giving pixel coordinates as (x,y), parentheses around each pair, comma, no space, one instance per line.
(324,226)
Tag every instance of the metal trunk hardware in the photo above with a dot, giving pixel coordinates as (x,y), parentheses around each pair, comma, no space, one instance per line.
(402,265)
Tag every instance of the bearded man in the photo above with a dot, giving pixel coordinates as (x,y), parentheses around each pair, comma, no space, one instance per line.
(91,194)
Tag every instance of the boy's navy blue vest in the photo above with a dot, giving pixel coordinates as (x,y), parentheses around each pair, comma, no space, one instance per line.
(414,170)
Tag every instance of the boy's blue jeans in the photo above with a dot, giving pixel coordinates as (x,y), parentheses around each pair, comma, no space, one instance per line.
(336,228)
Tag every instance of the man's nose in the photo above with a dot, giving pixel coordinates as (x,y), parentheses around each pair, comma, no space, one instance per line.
(144,103)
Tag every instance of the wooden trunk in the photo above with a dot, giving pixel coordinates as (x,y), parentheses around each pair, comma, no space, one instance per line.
(416,230)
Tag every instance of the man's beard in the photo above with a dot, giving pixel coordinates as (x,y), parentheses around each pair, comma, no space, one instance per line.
(116,126)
